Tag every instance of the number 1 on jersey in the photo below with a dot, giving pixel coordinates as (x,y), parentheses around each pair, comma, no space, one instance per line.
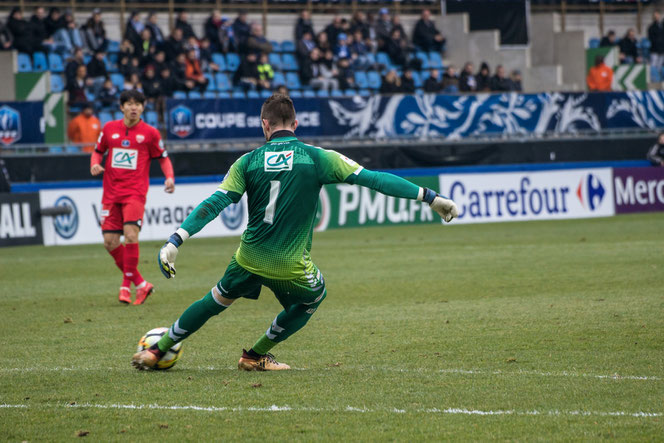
(272,204)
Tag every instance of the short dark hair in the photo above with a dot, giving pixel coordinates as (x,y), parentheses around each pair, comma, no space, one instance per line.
(132,94)
(278,110)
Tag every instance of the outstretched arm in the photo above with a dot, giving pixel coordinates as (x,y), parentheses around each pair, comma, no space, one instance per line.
(395,186)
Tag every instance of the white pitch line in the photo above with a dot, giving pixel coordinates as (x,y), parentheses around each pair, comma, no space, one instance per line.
(351,409)
(374,368)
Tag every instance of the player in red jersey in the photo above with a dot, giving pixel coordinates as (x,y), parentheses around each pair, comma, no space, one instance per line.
(131,145)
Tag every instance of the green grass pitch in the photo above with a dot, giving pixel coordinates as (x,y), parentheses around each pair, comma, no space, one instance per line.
(519,331)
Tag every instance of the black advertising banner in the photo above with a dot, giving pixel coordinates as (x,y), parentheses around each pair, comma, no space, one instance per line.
(508,16)
(19,219)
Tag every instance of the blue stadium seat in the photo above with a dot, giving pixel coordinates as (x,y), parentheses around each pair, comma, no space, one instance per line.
(87,58)
(644,45)
(593,43)
(212,85)
(338,93)
(232,61)
(419,91)
(265,93)
(276,46)
(279,79)
(371,57)
(105,117)
(209,94)
(219,60)
(89,96)
(417,79)
(435,61)
(323,93)
(24,63)
(349,92)
(361,79)
(384,59)
(374,79)
(113,46)
(655,75)
(118,81)
(222,82)
(224,94)
(308,93)
(39,62)
(287,46)
(57,83)
(194,94)
(181,95)
(152,118)
(293,81)
(72,149)
(295,94)
(253,94)
(55,63)
(238,94)
(118,115)
(364,93)
(289,63)
(275,61)
(422,56)
(56,149)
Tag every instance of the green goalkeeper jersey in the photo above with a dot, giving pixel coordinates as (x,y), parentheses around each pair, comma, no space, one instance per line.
(282,180)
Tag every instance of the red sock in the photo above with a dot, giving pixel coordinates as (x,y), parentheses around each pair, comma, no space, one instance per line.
(131,264)
(118,255)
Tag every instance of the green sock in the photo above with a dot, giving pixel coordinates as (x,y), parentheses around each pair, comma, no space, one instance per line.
(263,345)
(190,321)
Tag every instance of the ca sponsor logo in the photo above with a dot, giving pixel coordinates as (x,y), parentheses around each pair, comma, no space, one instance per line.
(66,225)
(181,121)
(590,192)
(10,125)
(124,158)
(278,161)
(233,215)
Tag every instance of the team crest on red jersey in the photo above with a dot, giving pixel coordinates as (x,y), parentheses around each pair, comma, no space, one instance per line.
(140,138)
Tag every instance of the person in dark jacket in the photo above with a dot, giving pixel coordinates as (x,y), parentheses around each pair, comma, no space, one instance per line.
(407,82)
(656,37)
(426,36)
(467,80)
(391,83)
(656,152)
(629,54)
(38,22)
(54,22)
(72,65)
(6,38)
(21,29)
(174,45)
(333,30)
(152,23)
(483,78)
(182,22)
(608,40)
(450,82)
(241,29)
(95,34)
(109,94)
(151,84)
(97,66)
(499,82)
(397,48)
(247,73)
(303,25)
(432,84)
(515,81)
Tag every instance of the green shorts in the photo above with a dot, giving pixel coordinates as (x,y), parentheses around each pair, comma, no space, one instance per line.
(237,282)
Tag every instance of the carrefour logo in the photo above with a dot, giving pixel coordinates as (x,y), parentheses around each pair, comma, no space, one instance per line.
(181,121)
(10,125)
(233,215)
(66,225)
(279,161)
(590,192)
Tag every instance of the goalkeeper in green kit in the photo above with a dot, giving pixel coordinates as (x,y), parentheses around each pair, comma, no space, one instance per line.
(282,180)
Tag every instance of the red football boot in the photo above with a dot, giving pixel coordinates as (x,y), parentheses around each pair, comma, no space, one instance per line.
(143,293)
(125,295)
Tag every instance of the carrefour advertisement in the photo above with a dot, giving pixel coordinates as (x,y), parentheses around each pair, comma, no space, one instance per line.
(21,122)
(537,195)
(163,214)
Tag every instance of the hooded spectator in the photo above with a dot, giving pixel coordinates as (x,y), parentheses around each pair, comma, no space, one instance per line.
(426,36)
(483,78)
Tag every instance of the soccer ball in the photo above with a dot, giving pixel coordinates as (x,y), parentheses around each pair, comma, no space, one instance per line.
(170,358)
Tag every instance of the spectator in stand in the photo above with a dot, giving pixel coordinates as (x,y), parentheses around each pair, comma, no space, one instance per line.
(126,48)
(211,30)
(38,22)
(133,82)
(629,54)
(265,72)
(345,74)
(397,48)
(74,34)
(84,128)
(241,29)
(467,81)
(179,71)
(391,83)
(396,24)
(303,25)
(372,39)
(152,23)
(329,70)
(72,65)
(323,43)
(432,84)
(282,89)
(129,66)
(159,62)
(342,51)
(147,49)
(383,28)
(194,72)
(600,76)
(169,84)
(205,57)
(317,73)
(333,30)
(450,83)
(656,37)
(483,78)
(426,36)
(360,52)
(109,94)
(256,42)
(656,153)
(304,46)
(407,82)
(515,81)
(499,81)
(182,22)
(97,71)
(608,40)
(95,34)
(133,29)
(227,36)
(246,75)
(359,23)
(174,45)
(21,29)
(151,85)
(54,22)
(78,86)
(6,38)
